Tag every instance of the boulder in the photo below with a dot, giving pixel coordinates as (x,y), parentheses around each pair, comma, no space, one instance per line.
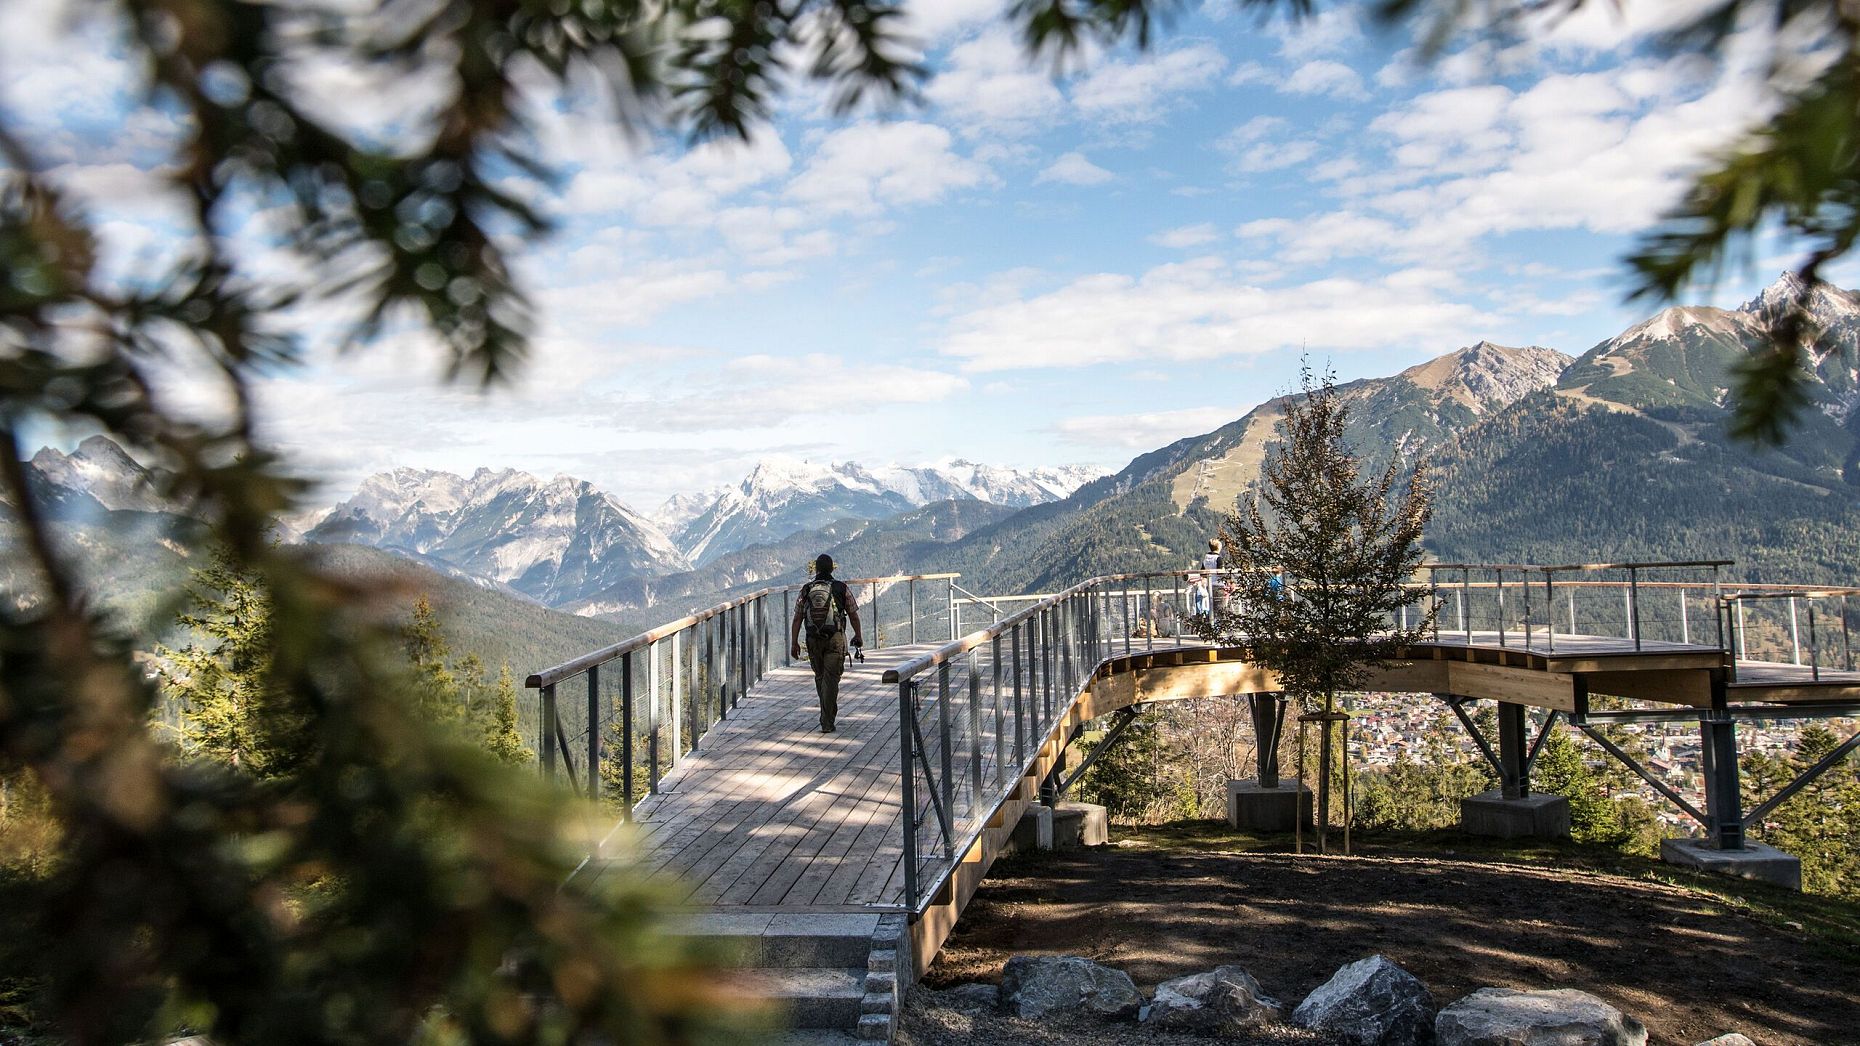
(1729,1039)
(1562,1017)
(1370,1002)
(1223,1001)
(1035,986)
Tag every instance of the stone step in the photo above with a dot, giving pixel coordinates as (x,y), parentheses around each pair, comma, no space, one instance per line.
(813,997)
(788,940)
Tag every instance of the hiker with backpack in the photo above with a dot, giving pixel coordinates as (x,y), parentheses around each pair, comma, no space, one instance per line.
(823,609)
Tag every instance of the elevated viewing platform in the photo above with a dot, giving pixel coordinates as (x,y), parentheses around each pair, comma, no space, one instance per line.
(767,828)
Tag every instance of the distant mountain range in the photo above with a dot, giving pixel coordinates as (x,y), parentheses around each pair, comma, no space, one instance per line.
(782,497)
(1619,453)
(552,540)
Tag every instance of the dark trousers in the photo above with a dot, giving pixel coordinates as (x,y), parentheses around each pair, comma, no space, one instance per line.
(828,659)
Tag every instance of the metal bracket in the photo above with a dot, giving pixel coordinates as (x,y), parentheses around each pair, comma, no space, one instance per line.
(1629,761)
(936,803)
(1530,761)
(1125,717)
(1485,748)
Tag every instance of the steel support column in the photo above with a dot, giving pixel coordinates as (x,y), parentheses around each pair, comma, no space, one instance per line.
(1514,775)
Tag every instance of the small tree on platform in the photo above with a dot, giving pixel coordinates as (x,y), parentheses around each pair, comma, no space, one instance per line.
(1318,557)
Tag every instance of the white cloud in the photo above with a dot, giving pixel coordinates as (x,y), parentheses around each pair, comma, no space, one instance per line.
(1327,32)
(933,22)
(1197,310)
(1142,90)
(1074,169)
(987,85)
(1260,157)
(867,168)
(1186,236)
(1144,431)
(1325,77)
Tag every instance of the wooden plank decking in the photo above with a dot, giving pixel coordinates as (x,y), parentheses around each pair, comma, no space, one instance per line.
(771,813)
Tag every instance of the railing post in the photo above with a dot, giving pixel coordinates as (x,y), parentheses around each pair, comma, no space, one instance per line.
(652,718)
(787,619)
(545,730)
(975,735)
(1501,608)
(1020,710)
(673,710)
(1814,648)
(1124,593)
(1743,634)
(1685,624)
(1634,603)
(911,588)
(878,629)
(594,732)
(1466,604)
(1795,635)
(1550,609)
(1176,614)
(626,733)
(1524,584)
(953,636)
(946,741)
(907,793)
(710,671)
(1717,602)
(1149,616)
(1000,742)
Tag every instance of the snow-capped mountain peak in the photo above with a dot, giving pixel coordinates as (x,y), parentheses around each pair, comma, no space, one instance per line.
(783,495)
(555,540)
(103,470)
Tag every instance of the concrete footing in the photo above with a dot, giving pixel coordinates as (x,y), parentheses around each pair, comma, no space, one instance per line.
(1532,817)
(1268,809)
(1033,832)
(1754,861)
(1059,827)
(1080,824)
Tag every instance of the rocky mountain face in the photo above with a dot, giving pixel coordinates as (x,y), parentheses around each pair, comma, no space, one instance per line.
(555,541)
(1629,457)
(97,477)
(783,497)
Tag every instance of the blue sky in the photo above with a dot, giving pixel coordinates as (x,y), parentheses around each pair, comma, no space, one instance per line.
(1024,270)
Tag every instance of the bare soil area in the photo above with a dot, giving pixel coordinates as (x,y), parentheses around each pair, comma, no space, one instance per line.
(1691,957)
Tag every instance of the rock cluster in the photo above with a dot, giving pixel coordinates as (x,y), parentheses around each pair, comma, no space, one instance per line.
(1370,1002)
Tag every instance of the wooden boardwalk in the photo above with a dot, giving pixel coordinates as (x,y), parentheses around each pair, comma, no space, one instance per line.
(771,813)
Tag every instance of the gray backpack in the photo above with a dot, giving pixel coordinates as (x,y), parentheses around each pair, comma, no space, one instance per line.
(823,608)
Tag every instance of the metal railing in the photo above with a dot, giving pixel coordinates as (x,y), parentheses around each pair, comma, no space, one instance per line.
(1788,610)
(650,699)
(1529,605)
(974,713)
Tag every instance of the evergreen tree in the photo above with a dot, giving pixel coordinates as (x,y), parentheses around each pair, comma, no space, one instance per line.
(502,737)
(1820,823)
(229,709)
(1320,557)
(1561,770)
(437,693)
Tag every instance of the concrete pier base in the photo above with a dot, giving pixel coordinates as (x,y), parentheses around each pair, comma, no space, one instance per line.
(1268,809)
(1754,861)
(1532,817)
(1034,831)
(1080,824)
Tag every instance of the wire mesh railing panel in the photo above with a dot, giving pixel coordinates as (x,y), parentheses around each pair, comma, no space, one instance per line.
(618,720)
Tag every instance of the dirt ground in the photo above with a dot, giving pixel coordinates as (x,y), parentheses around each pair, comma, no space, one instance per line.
(1691,959)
